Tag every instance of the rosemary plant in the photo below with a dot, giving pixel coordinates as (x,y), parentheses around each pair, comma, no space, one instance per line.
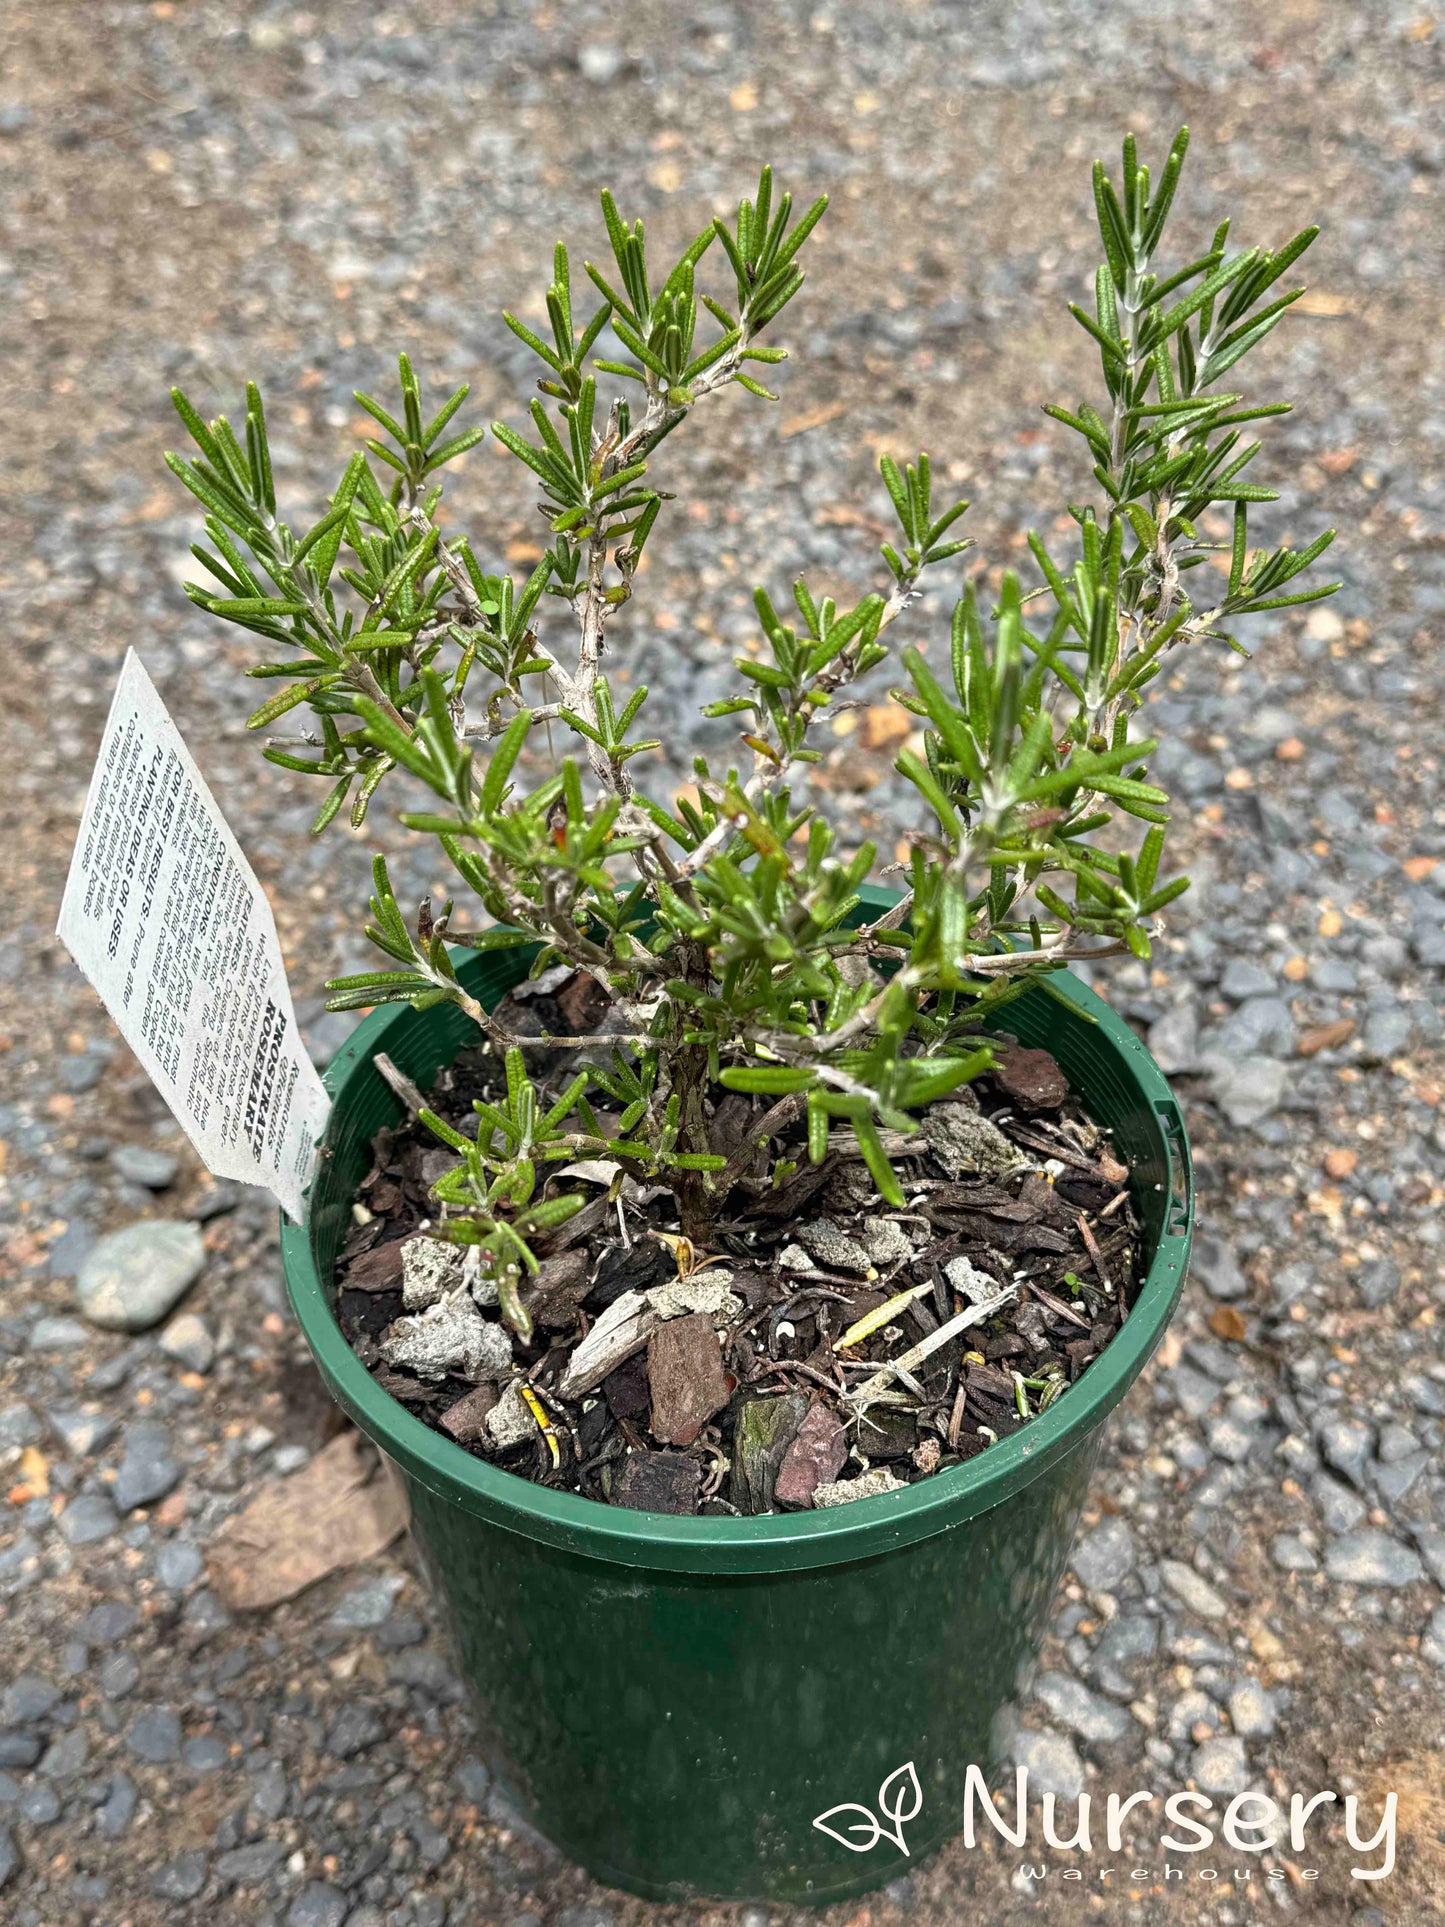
(718,928)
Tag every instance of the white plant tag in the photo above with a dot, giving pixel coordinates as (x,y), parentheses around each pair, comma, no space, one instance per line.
(166,918)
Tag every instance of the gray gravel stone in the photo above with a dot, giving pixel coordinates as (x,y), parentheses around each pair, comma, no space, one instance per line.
(178,1564)
(187,1339)
(138,1164)
(181,1878)
(88,1519)
(116,1815)
(147,1471)
(1252,1711)
(355,1728)
(269,1790)
(119,1675)
(368,1604)
(1217,1269)
(1340,1509)
(39,1804)
(207,1753)
(1291,1554)
(1369,1558)
(1195,1592)
(1377,1282)
(155,1736)
(58,1335)
(19,1425)
(19,1748)
(1105,1558)
(28,1697)
(318,1905)
(1245,1088)
(248,1866)
(1345,1444)
(1221,1765)
(9,1856)
(133,1276)
(64,1758)
(1083,1712)
(82,1432)
(1053,1765)
(1432,1643)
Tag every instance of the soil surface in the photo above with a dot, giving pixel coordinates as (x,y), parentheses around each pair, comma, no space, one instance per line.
(823,1348)
(197,192)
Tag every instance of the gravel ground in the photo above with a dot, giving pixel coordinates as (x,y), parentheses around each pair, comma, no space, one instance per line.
(197,193)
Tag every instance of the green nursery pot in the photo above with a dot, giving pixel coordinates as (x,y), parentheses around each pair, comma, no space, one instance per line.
(675,1701)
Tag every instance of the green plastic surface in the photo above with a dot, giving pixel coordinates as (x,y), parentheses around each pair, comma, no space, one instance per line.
(673,1701)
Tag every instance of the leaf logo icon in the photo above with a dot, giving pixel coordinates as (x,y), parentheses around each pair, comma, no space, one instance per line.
(900,1799)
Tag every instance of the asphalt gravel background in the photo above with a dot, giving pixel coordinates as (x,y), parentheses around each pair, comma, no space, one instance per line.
(201,193)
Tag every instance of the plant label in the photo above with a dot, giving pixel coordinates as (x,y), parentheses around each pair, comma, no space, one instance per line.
(168,921)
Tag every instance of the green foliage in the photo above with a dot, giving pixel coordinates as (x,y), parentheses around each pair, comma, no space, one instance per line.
(716,923)
(491,1190)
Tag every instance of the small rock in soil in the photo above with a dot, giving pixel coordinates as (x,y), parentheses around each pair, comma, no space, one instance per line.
(450,1339)
(887,1243)
(707,1292)
(132,1277)
(659,1482)
(510,1421)
(965,1143)
(814,1458)
(686,1376)
(430,1267)
(869,1485)
(974,1285)
(826,1244)
(1032,1078)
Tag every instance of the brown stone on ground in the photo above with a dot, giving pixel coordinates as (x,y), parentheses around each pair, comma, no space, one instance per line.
(1031,1078)
(814,1458)
(685,1371)
(465,1420)
(658,1482)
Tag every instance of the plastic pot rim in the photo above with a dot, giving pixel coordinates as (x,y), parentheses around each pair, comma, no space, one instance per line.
(773,1542)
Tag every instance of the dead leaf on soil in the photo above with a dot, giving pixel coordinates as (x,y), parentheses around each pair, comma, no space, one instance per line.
(335,1512)
(1325,1037)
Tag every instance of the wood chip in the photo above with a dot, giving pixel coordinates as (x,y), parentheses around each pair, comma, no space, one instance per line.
(686,1376)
